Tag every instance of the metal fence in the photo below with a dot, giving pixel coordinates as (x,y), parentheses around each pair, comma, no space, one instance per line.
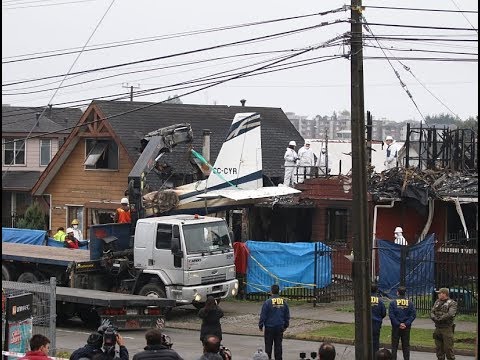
(451,266)
(43,307)
(331,267)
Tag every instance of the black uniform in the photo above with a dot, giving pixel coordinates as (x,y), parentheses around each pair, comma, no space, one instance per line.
(401,311)
(157,352)
(378,313)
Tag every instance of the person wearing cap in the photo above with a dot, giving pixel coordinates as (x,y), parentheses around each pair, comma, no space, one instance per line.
(402,313)
(76,230)
(93,347)
(443,315)
(291,159)
(324,162)
(306,161)
(399,239)
(70,241)
(391,153)
(122,214)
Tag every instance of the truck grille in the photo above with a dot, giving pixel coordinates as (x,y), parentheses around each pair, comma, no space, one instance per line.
(213,278)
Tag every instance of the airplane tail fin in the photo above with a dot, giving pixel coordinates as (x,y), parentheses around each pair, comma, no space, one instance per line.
(239,161)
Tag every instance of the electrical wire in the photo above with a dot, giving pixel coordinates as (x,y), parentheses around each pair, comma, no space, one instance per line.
(234,43)
(58,88)
(463,14)
(420,9)
(184,94)
(162,37)
(43,5)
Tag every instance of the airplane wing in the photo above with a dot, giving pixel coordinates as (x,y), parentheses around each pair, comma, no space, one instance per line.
(236,194)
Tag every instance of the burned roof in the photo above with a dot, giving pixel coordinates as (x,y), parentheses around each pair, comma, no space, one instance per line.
(133,120)
(422,185)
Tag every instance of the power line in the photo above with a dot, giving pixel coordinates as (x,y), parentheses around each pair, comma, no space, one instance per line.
(58,88)
(463,14)
(43,5)
(189,92)
(265,37)
(421,50)
(162,37)
(420,26)
(420,9)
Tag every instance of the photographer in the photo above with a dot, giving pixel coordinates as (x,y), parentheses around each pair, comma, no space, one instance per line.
(158,347)
(212,350)
(93,347)
(110,339)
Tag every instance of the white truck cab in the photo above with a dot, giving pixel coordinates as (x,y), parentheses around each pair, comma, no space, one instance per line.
(185,258)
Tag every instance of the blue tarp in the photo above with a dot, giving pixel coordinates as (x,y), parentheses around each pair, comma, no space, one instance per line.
(419,267)
(288,265)
(23,236)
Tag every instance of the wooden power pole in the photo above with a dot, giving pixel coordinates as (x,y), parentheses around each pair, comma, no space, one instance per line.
(361,247)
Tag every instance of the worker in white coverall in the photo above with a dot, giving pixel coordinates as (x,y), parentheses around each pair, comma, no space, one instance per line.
(291,160)
(324,162)
(399,239)
(391,153)
(306,159)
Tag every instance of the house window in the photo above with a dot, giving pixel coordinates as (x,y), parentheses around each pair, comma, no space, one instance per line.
(45,151)
(13,151)
(75,212)
(164,237)
(101,154)
(337,225)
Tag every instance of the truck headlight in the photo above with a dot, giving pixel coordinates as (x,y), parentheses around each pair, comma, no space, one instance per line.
(234,292)
(197,297)
(236,286)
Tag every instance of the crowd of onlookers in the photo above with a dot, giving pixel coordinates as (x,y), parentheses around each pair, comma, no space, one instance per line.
(273,321)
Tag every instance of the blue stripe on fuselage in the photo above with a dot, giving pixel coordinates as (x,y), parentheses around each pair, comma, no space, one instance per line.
(244,179)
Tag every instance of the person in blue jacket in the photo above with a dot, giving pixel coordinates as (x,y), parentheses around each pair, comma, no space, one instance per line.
(402,313)
(275,317)
(378,313)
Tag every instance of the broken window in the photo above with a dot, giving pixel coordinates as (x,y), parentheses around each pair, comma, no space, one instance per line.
(101,154)
(337,225)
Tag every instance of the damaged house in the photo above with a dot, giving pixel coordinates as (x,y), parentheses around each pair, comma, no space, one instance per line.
(88,176)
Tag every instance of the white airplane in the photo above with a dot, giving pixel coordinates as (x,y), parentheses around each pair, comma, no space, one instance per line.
(236,177)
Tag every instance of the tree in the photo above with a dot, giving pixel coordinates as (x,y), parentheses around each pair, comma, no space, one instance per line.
(441,119)
(173,100)
(34,218)
(470,123)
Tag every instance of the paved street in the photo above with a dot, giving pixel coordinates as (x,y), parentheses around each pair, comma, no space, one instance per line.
(187,344)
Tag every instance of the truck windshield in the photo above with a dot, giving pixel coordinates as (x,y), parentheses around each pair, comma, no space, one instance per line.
(204,238)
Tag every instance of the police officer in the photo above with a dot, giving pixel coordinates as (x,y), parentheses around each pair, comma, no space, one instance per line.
(402,313)
(378,313)
(275,316)
(443,314)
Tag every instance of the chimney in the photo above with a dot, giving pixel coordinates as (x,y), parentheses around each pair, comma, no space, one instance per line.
(206,144)
(37,115)
(243,101)
(50,111)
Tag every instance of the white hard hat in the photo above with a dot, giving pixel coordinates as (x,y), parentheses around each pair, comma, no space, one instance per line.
(292,143)
(307,142)
(69,230)
(389,138)
(124,201)
(398,229)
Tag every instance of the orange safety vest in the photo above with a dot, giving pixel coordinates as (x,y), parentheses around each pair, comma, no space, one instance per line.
(123,217)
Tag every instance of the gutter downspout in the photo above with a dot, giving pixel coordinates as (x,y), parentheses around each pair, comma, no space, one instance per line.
(462,218)
(374,236)
(431,210)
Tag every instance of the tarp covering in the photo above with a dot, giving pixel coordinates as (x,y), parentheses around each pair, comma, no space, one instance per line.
(288,265)
(23,236)
(419,266)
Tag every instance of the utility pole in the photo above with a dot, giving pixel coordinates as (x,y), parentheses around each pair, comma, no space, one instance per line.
(361,244)
(127,85)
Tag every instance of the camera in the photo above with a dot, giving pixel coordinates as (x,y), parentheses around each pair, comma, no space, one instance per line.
(167,341)
(225,353)
(303,355)
(109,333)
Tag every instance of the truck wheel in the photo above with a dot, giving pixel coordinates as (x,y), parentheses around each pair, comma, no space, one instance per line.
(6,273)
(157,291)
(28,277)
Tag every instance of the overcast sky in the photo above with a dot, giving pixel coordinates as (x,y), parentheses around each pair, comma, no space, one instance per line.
(30,28)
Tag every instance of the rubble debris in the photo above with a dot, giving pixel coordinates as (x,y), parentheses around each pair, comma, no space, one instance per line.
(422,184)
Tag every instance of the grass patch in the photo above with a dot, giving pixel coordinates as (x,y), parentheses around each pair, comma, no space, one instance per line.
(418,337)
